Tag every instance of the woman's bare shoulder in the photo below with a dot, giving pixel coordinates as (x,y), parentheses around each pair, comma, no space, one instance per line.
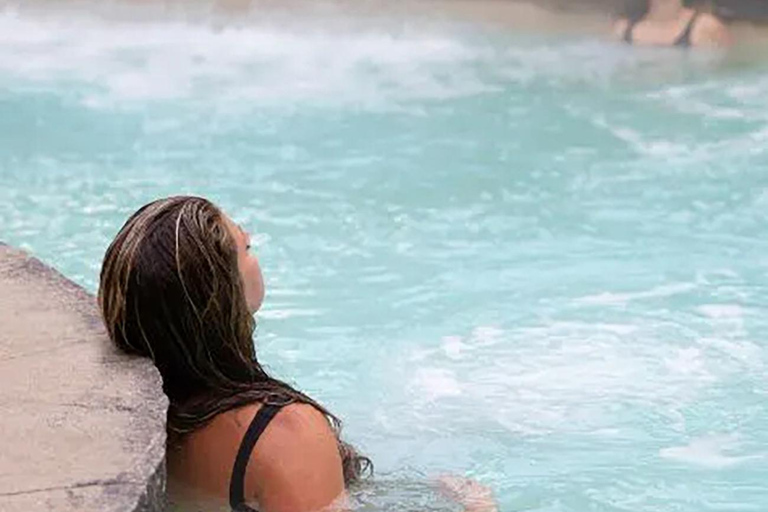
(296,466)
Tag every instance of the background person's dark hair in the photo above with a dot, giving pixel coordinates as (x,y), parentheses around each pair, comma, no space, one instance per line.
(170,290)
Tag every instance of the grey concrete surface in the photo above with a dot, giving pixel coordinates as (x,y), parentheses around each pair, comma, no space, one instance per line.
(82,427)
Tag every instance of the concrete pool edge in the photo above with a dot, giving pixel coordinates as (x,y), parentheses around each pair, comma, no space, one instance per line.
(83,426)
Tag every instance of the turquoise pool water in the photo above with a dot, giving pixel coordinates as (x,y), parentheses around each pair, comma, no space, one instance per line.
(537,261)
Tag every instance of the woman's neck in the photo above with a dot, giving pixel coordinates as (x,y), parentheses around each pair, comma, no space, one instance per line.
(664,10)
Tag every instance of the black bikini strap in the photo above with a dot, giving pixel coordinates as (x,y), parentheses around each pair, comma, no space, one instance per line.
(684,39)
(237,481)
(628,31)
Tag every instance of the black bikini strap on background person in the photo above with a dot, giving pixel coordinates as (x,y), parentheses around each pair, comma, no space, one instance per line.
(684,39)
(628,31)
(237,481)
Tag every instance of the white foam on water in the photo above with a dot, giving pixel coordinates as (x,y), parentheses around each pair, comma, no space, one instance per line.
(153,60)
(437,383)
(688,362)
(722,311)
(738,353)
(694,99)
(710,452)
(640,142)
(453,347)
(486,335)
(712,102)
(620,299)
(563,376)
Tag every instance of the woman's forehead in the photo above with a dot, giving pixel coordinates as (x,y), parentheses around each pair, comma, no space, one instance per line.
(234,228)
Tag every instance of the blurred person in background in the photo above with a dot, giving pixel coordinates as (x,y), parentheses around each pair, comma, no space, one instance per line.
(670,23)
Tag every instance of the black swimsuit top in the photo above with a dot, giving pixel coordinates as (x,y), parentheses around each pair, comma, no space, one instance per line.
(683,40)
(237,481)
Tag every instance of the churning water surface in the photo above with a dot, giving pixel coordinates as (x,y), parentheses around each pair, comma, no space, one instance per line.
(537,260)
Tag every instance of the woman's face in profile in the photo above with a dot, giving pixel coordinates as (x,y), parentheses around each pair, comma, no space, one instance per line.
(248,264)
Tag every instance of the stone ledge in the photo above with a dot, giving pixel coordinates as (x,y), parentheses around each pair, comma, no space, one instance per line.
(83,426)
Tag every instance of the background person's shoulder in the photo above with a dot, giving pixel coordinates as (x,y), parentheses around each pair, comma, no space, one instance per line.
(710,31)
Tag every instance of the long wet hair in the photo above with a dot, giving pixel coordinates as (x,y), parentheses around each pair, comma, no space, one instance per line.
(170,290)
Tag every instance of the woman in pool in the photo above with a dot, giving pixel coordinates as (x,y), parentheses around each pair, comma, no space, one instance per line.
(670,23)
(179,285)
